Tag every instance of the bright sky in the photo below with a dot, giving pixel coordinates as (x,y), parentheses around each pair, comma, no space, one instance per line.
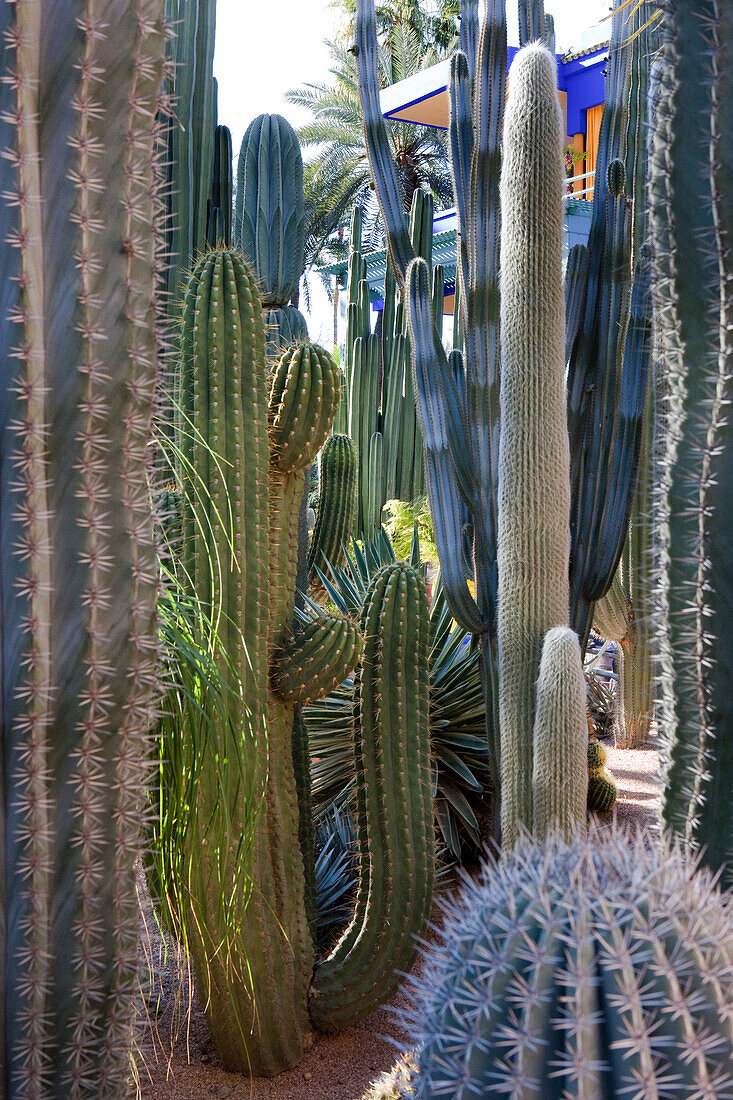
(266,47)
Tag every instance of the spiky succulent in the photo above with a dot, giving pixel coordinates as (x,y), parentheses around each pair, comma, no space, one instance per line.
(599,970)
(456,707)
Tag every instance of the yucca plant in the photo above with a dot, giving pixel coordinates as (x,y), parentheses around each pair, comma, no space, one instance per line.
(460,765)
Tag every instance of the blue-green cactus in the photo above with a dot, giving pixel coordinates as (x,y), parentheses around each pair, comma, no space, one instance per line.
(80,220)
(600,969)
(692,219)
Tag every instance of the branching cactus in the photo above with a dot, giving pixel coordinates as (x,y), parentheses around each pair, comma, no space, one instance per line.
(269,225)
(534,461)
(597,970)
(81,169)
(251,449)
(692,220)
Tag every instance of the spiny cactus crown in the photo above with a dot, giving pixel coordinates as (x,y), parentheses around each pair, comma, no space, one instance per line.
(601,969)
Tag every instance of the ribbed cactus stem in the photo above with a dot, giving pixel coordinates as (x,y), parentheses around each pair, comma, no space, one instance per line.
(336,504)
(81,176)
(596,970)
(692,223)
(534,462)
(560,742)
(392,754)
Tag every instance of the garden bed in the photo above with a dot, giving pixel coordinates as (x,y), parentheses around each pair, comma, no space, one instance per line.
(176,1059)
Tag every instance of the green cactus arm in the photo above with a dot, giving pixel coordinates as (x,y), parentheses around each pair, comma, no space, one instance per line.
(336,513)
(395,804)
(315,660)
(534,459)
(191,140)
(611,613)
(219,210)
(304,397)
(560,739)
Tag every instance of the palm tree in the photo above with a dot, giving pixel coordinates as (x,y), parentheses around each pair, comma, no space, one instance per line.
(337,175)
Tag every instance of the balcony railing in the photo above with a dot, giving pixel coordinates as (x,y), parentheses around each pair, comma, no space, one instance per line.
(587,180)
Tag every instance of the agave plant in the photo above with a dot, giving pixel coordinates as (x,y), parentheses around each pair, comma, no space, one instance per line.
(460,765)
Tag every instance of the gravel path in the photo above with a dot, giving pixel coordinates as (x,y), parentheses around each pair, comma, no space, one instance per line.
(176,1059)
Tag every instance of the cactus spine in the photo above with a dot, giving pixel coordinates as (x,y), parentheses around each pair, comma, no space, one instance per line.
(692,204)
(599,969)
(534,459)
(395,814)
(81,179)
(336,503)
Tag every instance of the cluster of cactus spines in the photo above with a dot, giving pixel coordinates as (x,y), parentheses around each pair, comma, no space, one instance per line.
(221,199)
(81,178)
(392,755)
(691,195)
(269,225)
(598,969)
(534,458)
(336,510)
(191,137)
(560,739)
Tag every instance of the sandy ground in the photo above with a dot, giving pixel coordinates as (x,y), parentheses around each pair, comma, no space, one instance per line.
(177,1061)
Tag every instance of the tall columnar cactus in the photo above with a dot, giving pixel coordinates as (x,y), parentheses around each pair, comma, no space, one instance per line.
(335,515)
(692,220)
(81,169)
(599,969)
(534,458)
(192,27)
(395,815)
(269,224)
(251,451)
(219,208)
(458,401)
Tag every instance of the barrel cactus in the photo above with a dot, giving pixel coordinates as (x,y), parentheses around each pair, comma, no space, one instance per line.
(79,342)
(602,791)
(254,434)
(599,969)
